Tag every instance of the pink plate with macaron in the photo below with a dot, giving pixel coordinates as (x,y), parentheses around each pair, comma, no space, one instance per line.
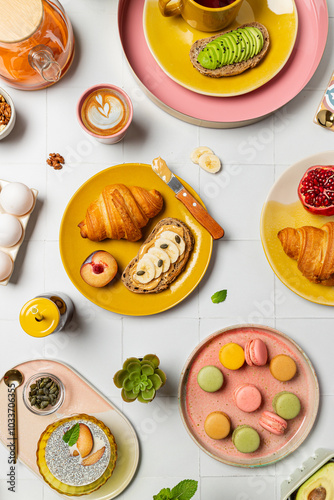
(224,112)
(246,396)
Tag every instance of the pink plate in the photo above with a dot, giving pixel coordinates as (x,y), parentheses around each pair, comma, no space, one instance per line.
(224,112)
(195,404)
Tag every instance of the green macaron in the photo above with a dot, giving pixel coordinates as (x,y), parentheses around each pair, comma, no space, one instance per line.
(210,378)
(286,405)
(245,439)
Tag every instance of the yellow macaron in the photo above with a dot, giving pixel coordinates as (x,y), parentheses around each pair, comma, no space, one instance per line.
(232,356)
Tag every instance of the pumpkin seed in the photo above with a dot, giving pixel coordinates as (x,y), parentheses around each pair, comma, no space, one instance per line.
(164,245)
(43,393)
(140,273)
(160,262)
(177,239)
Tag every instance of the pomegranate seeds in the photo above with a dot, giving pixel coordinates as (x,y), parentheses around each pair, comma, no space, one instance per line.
(316,190)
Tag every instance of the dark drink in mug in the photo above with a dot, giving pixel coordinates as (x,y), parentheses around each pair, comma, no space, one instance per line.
(214,4)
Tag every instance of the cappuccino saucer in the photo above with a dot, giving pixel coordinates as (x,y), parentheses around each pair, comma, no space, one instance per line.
(169,40)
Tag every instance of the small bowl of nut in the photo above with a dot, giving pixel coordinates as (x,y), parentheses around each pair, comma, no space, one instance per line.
(7,114)
(43,393)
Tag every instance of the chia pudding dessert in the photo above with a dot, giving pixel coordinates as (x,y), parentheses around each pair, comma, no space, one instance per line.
(78,452)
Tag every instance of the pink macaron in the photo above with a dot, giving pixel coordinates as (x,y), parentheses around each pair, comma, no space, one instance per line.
(256,353)
(273,423)
(247,397)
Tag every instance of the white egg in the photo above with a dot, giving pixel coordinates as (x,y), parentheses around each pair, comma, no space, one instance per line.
(10,230)
(6,265)
(16,198)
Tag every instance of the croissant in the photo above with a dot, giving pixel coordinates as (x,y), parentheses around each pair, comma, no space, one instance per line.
(313,249)
(120,212)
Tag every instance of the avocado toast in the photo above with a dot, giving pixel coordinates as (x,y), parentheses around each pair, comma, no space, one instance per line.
(231,52)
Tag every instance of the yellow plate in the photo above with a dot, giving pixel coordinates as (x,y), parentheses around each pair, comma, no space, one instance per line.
(115,296)
(170,39)
(283,209)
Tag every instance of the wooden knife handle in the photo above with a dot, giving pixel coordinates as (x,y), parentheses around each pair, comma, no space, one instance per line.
(200,214)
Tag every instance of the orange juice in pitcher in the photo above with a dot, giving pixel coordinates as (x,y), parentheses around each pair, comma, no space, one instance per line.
(36,43)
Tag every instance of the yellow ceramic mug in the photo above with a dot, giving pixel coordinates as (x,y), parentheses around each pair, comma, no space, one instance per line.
(199,17)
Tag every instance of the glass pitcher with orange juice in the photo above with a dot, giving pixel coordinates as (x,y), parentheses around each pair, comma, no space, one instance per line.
(36,43)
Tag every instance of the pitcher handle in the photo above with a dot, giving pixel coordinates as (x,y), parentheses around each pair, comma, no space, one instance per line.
(170,10)
(41,58)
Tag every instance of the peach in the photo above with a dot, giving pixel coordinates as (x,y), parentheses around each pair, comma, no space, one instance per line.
(99,269)
(85,441)
(94,458)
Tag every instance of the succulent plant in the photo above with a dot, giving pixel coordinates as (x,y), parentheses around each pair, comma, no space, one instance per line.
(140,378)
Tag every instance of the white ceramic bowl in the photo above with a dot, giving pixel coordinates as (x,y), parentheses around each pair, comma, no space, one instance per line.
(9,127)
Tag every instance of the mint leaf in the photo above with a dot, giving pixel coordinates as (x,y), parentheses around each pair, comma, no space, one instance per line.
(184,490)
(219,296)
(164,494)
(72,435)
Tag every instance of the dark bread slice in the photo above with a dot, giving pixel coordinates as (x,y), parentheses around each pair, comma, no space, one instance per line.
(175,269)
(229,69)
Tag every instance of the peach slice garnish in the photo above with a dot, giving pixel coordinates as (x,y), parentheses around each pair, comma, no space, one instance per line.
(85,441)
(94,458)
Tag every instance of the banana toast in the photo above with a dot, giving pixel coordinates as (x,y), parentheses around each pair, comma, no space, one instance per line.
(161,258)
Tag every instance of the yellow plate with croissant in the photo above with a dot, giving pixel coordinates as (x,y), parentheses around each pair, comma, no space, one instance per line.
(283,209)
(115,296)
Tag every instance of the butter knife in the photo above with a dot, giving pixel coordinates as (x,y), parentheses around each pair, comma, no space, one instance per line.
(160,167)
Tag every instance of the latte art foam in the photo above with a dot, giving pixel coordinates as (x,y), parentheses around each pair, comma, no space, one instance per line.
(107,116)
(105,112)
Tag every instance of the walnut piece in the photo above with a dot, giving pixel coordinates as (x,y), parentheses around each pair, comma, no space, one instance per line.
(5,112)
(56,161)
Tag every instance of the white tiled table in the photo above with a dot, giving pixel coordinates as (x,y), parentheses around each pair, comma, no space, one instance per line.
(46,122)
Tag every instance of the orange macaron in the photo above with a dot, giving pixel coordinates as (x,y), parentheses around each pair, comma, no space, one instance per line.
(217,425)
(283,367)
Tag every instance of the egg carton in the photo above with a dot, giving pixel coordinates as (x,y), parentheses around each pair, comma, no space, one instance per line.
(24,219)
(320,458)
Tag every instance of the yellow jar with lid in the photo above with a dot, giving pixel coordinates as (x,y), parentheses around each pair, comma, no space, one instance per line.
(45,314)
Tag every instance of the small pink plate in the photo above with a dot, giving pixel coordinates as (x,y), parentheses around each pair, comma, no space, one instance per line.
(195,404)
(225,112)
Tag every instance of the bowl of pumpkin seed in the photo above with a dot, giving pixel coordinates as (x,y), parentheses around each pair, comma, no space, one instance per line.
(43,393)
